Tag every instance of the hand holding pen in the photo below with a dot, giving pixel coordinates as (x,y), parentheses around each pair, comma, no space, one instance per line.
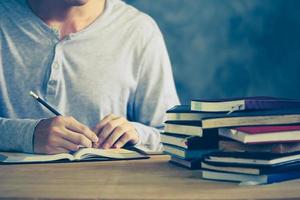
(60,134)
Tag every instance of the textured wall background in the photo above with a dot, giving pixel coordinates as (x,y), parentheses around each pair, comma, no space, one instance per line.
(229,48)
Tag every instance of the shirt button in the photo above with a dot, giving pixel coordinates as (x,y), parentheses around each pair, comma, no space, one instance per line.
(52,82)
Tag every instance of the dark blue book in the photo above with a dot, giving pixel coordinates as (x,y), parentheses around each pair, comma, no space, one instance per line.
(184,113)
(252,170)
(209,140)
(252,159)
(184,153)
(251,179)
(189,164)
(244,103)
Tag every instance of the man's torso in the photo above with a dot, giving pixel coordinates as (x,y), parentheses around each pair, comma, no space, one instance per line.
(94,71)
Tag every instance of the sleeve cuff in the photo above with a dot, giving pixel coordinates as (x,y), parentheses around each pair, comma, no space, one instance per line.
(28,145)
(148,136)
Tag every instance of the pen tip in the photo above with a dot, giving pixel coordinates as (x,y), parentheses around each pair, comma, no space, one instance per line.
(33,95)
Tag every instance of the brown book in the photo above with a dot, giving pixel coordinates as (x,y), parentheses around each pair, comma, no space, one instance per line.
(272,148)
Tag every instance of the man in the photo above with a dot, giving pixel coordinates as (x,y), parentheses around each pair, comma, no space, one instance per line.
(102,62)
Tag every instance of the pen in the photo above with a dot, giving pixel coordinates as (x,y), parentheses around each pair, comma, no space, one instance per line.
(44,103)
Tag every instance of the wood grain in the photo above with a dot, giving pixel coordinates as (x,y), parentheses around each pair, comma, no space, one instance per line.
(139,179)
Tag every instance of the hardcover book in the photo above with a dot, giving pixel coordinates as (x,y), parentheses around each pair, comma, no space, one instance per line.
(190,128)
(244,103)
(233,146)
(262,134)
(184,113)
(207,141)
(254,118)
(251,179)
(83,154)
(184,153)
(190,164)
(252,159)
(254,170)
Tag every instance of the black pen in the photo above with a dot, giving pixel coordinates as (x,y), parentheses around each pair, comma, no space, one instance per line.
(44,103)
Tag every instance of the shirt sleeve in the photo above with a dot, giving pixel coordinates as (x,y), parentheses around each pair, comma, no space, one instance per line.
(156,92)
(17,134)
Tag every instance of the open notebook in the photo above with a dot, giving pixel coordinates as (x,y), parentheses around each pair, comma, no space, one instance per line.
(83,154)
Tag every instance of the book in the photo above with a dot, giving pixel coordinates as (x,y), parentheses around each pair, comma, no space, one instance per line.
(248,159)
(253,118)
(83,154)
(244,103)
(252,170)
(251,179)
(208,141)
(190,164)
(184,113)
(190,128)
(184,153)
(226,145)
(262,134)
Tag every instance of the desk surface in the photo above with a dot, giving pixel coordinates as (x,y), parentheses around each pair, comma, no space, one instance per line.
(139,179)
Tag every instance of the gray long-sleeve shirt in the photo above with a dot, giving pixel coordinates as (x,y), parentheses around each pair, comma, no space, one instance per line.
(118,64)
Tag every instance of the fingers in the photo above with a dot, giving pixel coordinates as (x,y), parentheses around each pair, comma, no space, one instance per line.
(76,126)
(115,131)
(67,145)
(68,140)
(61,134)
(116,134)
(67,134)
(122,141)
(108,128)
(103,122)
(100,126)
(77,138)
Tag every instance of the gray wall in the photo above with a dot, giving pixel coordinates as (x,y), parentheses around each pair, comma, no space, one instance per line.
(230,48)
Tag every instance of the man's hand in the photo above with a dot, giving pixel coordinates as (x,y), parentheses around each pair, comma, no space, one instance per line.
(115,132)
(62,134)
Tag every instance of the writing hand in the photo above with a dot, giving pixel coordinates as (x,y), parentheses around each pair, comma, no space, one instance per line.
(115,131)
(62,134)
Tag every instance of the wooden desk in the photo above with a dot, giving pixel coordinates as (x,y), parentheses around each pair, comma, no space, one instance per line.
(139,179)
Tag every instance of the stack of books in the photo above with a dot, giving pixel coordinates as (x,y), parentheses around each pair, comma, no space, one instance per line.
(261,139)
(185,140)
